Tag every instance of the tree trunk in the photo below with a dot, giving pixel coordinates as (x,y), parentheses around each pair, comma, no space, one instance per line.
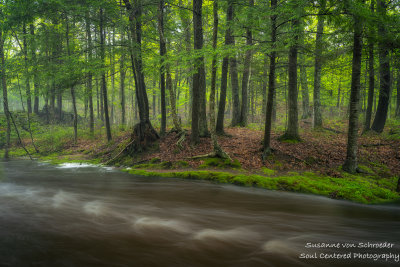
(318,66)
(163,51)
(271,83)
(103,76)
(35,74)
(216,147)
(233,67)
(5,94)
(222,95)
(371,84)
(75,122)
(28,89)
(350,164)
(384,73)
(292,131)
(90,75)
(199,74)
(246,70)
(303,79)
(143,132)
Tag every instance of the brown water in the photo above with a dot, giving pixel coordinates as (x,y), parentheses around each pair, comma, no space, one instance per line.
(72,215)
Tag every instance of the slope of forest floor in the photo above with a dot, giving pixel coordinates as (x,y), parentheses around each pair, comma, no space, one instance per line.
(310,166)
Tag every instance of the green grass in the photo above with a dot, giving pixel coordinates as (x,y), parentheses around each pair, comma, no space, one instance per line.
(354,188)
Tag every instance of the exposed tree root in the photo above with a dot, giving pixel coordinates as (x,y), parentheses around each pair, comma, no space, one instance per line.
(182,137)
(142,136)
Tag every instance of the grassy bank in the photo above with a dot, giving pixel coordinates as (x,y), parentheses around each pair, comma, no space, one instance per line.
(282,171)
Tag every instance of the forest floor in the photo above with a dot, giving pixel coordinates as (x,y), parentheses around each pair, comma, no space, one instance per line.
(310,166)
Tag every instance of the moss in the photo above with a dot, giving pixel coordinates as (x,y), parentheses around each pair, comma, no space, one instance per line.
(268,171)
(358,189)
(221,163)
(155,160)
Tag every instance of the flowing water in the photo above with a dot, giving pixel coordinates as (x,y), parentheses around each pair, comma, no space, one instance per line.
(82,215)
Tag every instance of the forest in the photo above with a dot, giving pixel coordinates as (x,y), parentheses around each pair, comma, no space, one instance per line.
(293,95)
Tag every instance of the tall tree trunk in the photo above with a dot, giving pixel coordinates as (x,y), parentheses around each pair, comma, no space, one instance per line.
(103,75)
(5,93)
(28,89)
(384,73)
(318,66)
(35,74)
(233,68)
(203,128)
(292,131)
(303,78)
(350,164)
(163,51)
(246,70)
(222,96)
(264,87)
(371,84)
(90,75)
(271,83)
(72,87)
(199,74)
(143,132)
(216,147)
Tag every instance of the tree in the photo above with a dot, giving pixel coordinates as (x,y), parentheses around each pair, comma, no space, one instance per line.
(103,75)
(163,51)
(246,70)
(292,131)
(233,68)
(216,147)
(384,71)
(89,74)
(350,164)
(318,65)
(199,75)
(371,71)
(271,82)
(143,132)
(5,93)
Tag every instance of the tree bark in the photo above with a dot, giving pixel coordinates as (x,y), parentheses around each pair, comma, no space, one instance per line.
(35,74)
(27,86)
(5,94)
(318,66)
(350,164)
(371,84)
(384,73)
(90,75)
(303,79)
(103,76)
(246,70)
(271,83)
(163,51)
(233,67)
(199,74)
(292,131)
